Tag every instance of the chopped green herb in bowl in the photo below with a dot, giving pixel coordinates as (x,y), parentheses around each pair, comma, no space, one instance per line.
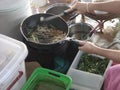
(92,64)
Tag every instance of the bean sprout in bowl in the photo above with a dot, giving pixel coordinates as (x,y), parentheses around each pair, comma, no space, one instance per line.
(46,34)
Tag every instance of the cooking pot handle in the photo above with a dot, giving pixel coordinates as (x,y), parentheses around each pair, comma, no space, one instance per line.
(69,22)
(75,41)
(74,16)
(69,12)
(71,19)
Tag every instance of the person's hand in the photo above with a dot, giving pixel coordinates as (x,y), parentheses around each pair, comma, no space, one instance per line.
(87,47)
(79,7)
(82,9)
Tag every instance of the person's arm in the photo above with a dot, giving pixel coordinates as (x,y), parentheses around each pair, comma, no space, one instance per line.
(108,6)
(90,7)
(90,48)
(109,53)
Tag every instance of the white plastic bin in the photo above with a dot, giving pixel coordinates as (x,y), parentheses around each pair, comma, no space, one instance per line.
(12,63)
(85,79)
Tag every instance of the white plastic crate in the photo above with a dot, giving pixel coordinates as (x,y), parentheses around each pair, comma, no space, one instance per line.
(78,87)
(12,64)
(85,79)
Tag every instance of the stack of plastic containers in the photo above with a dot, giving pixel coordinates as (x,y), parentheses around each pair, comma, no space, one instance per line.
(12,63)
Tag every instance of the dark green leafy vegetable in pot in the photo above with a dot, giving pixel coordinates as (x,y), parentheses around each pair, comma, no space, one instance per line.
(92,64)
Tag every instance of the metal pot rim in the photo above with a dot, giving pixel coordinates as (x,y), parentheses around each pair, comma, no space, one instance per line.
(60,41)
(55,5)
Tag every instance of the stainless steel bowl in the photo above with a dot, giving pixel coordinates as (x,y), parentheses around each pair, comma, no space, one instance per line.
(79,30)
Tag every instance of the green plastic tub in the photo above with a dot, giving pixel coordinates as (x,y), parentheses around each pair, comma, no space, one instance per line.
(46,79)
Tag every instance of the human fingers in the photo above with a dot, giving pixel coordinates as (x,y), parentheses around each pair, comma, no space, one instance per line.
(81,43)
(86,46)
(71,9)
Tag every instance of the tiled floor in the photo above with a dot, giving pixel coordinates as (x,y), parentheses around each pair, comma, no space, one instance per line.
(30,67)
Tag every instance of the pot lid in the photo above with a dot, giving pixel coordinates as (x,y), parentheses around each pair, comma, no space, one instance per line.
(10,5)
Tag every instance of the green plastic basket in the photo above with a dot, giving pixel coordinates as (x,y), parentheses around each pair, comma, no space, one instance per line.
(47,79)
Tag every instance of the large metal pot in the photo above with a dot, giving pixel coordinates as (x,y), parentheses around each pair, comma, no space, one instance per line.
(59,8)
(30,24)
